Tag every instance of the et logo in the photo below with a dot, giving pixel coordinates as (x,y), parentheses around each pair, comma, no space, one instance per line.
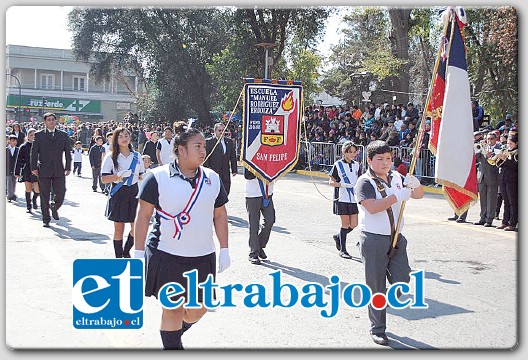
(107,293)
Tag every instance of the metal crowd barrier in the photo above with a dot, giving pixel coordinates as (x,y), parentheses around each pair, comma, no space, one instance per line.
(320,156)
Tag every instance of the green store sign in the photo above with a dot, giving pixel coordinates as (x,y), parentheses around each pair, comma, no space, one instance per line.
(53,104)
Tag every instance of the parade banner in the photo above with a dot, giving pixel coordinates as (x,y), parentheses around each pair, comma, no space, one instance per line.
(271,126)
(452,120)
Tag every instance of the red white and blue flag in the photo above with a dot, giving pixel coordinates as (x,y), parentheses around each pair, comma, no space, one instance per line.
(452,120)
(271,127)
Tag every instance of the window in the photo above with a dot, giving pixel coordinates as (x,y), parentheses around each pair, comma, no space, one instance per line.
(47,81)
(79,83)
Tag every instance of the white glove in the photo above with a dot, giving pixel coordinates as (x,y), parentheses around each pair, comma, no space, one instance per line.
(124,173)
(345,185)
(411,181)
(224,261)
(139,254)
(403,194)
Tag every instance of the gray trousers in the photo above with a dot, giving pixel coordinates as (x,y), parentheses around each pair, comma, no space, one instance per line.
(96,176)
(488,201)
(259,234)
(10,185)
(379,268)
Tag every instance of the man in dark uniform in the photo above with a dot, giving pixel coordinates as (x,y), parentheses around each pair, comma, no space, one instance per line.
(47,164)
(488,178)
(223,158)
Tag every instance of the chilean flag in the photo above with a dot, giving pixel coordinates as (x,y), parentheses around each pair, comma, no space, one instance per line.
(452,120)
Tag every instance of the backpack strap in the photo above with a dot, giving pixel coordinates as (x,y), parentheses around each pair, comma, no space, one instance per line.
(383,193)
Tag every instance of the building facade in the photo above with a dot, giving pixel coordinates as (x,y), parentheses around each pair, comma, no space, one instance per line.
(39,80)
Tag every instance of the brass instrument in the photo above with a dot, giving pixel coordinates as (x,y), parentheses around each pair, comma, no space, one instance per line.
(513,155)
(510,154)
(481,148)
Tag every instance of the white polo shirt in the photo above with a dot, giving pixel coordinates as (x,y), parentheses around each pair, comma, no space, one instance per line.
(166,150)
(123,163)
(366,188)
(170,192)
(77,154)
(253,188)
(352,172)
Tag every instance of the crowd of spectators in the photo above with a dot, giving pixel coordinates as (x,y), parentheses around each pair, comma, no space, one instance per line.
(86,132)
(397,124)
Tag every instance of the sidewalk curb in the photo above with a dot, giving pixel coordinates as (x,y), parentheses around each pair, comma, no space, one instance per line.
(319,174)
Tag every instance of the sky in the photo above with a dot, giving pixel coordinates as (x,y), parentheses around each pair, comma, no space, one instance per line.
(55,33)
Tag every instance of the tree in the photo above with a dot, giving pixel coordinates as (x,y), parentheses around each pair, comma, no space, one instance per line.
(492,44)
(168,48)
(294,31)
(362,61)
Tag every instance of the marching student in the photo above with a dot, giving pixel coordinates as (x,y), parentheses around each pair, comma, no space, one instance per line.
(164,147)
(77,152)
(95,162)
(343,177)
(122,167)
(189,200)
(380,193)
(11,156)
(23,170)
(259,200)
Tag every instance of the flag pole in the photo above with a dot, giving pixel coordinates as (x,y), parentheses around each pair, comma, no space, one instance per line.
(418,141)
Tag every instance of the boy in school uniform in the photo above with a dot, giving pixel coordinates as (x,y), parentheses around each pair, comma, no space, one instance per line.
(77,152)
(11,157)
(380,193)
(95,156)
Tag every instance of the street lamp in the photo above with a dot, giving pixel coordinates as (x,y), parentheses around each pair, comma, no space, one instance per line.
(266,46)
(19,97)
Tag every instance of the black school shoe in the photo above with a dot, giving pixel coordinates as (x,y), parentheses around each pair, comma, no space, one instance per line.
(54,213)
(254,260)
(345,255)
(380,339)
(262,254)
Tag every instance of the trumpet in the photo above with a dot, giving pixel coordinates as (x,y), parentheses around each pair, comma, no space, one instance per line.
(481,148)
(495,160)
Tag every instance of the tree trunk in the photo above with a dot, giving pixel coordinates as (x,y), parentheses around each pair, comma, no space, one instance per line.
(401,23)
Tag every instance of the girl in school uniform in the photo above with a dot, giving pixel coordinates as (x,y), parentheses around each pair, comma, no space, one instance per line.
(189,200)
(343,177)
(23,171)
(122,167)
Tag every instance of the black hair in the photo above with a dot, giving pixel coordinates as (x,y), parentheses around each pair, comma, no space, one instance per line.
(347,145)
(513,138)
(49,114)
(182,134)
(377,147)
(114,146)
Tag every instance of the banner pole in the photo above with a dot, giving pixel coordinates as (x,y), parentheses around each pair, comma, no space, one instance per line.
(418,141)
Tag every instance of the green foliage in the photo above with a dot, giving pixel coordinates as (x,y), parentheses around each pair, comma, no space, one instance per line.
(382,63)
(492,40)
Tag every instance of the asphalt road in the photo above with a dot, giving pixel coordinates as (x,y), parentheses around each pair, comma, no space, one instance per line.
(471,278)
